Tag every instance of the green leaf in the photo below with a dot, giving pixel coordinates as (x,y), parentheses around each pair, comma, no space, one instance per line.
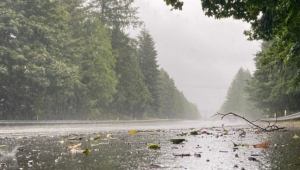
(295,136)
(132,132)
(177,141)
(153,146)
(194,133)
(86,151)
(95,137)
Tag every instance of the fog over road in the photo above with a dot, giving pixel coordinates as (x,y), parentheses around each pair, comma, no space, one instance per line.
(92,126)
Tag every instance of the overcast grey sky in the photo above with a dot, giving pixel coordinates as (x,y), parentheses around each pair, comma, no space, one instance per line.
(201,54)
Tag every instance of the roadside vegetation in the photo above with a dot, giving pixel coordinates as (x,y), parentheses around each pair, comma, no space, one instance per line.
(72,59)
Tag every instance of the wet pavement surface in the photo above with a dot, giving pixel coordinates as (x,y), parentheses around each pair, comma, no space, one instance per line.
(50,147)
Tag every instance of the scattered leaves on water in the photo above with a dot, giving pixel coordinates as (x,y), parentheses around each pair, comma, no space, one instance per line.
(177,141)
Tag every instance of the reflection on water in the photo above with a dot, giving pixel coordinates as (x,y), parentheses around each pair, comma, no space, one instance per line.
(42,147)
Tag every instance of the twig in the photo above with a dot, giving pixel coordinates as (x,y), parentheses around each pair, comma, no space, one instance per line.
(269,128)
(182,155)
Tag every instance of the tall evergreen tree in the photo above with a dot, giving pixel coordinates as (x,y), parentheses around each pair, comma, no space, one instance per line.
(133,94)
(148,65)
(237,99)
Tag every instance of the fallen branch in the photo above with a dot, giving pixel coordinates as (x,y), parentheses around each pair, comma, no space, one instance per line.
(269,128)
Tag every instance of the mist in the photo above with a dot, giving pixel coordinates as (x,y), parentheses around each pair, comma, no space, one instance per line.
(201,54)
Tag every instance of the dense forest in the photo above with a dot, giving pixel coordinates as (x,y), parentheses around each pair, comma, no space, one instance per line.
(73,59)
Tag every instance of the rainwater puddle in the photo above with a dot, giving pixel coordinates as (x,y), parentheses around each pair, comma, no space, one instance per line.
(213,148)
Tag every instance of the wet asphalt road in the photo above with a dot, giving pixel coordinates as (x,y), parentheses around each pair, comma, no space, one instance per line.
(42,147)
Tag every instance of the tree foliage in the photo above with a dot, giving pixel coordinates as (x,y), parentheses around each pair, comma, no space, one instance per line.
(272,86)
(270,20)
(72,59)
(149,67)
(176,4)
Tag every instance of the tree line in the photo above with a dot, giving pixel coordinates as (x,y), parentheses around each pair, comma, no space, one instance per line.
(72,59)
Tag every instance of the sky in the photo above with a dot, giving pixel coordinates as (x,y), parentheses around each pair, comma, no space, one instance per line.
(201,54)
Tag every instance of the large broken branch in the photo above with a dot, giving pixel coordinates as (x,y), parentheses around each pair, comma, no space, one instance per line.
(269,128)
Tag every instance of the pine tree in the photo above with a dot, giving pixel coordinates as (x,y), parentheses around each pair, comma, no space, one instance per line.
(237,99)
(148,65)
(133,94)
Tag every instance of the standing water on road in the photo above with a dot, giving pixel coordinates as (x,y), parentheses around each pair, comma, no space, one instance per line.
(210,146)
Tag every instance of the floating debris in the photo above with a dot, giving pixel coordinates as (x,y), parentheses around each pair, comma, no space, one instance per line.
(101,143)
(153,146)
(224,151)
(75,138)
(182,155)
(132,132)
(72,146)
(154,166)
(252,159)
(86,151)
(177,141)
(30,162)
(108,135)
(197,155)
(295,136)
(262,145)
(95,137)
(194,133)
(241,144)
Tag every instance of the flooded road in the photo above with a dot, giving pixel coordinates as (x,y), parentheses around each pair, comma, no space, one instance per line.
(50,146)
